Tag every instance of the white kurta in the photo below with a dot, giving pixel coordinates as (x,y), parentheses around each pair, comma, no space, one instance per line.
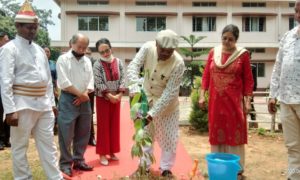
(24,64)
(161,83)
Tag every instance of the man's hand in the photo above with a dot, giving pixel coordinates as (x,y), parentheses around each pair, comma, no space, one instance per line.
(12,119)
(55,111)
(148,119)
(84,97)
(55,93)
(272,106)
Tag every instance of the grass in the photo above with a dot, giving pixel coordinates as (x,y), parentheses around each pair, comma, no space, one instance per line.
(6,172)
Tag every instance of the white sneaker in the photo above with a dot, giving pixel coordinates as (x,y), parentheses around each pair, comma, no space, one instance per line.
(104,161)
(114,158)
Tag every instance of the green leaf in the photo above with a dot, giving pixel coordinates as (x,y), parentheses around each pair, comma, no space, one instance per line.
(134,110)
(135,99)
(139,135)
(135,151)
(138,124)
(148,141)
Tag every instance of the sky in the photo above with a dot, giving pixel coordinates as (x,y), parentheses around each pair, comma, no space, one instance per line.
(54,30)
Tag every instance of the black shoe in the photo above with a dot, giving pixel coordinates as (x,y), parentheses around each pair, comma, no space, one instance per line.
(167,173)
(92,141)
(82,166)
(67,172)
(1,146)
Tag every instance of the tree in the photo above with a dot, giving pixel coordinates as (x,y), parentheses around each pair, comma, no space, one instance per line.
(198,117)
(9,9)
(192,40)
(191,52)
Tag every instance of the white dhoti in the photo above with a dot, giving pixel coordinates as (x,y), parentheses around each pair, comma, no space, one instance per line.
(165,131)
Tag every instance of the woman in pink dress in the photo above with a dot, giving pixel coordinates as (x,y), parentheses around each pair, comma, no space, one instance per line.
(228,79)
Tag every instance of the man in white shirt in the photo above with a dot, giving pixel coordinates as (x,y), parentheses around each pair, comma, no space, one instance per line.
(285,86)
(27,95)
(75,79)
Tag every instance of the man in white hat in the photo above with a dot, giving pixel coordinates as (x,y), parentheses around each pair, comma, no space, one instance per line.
(163,68)
(27,95)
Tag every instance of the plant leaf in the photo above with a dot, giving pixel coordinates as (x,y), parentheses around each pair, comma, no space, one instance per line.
(135,99)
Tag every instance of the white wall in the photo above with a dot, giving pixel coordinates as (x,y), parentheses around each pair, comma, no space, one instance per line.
(125,39)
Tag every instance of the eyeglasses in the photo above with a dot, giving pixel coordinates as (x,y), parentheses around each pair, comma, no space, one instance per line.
(230,39)
(104,51)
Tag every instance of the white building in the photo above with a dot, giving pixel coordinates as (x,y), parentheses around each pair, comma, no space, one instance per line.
(129,23)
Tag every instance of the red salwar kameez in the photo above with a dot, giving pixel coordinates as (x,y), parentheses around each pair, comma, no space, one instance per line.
(227,87)
(109,78)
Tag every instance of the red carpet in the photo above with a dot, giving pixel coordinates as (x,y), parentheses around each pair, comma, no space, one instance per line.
(126,165)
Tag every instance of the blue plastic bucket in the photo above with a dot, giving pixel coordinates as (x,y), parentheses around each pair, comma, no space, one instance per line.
(223,166)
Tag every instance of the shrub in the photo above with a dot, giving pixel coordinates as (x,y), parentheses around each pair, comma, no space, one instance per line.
(198,118)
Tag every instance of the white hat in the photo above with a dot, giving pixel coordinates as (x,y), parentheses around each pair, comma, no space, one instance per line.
(167,39)
(26,14)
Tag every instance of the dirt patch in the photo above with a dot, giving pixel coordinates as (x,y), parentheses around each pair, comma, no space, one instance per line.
(266,155)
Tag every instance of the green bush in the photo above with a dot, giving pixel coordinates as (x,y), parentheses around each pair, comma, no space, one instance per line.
(198,118)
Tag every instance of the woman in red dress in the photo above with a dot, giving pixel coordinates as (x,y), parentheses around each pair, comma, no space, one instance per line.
(109,88)
(228,78)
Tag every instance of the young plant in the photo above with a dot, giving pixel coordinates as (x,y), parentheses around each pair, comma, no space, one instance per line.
(138,113)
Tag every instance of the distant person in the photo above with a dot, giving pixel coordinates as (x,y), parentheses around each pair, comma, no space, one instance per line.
(285,87)
(252,111)
(75,79)
(4,127)
(52,65)
(228,79)
(27,95)
(92,141)
(110,87)
(165,69)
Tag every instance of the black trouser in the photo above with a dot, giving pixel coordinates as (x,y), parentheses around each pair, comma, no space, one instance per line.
(92,97)
(4,127)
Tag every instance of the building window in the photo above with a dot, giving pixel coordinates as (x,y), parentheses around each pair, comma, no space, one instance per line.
(291,4)
(151,3)
(253,4)
(292,23)
(254,24)
(204,24)
(93,23)
(150,23)
(260,69)
(204,4)
(257,50)
(95,2)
